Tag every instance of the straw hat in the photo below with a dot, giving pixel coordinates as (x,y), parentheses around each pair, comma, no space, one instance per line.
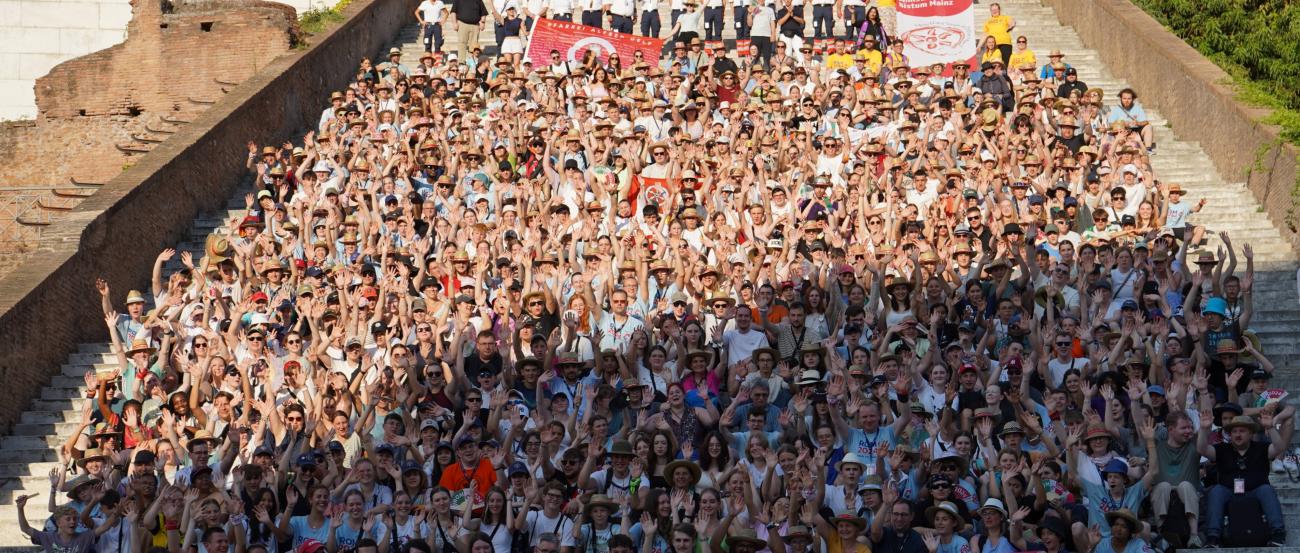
(690,467)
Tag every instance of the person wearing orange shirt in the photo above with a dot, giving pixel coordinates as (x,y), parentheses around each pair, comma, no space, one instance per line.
(471,469)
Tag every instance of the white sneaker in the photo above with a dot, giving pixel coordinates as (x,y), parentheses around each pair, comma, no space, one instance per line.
(1194,542)
(1277,466)
(1290,462)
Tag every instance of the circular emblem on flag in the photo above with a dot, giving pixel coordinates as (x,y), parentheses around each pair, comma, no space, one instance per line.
(937,39)
(601,46)
(656,194)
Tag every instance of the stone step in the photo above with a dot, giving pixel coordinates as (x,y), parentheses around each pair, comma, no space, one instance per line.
(66,415)
(31,442)
(18,470)
(61,429)
(28,455)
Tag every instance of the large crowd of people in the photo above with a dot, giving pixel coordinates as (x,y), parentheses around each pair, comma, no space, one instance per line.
(769,301)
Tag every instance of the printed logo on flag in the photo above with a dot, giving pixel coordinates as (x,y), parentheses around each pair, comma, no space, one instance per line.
(937,31)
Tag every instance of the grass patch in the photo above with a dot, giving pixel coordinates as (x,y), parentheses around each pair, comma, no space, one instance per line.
(313,22)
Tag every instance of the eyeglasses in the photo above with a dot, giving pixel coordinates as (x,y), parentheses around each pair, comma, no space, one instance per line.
(200,345)
(940,486)
(474,399)
(1063,344)
(422,329)
(292,341)
(293,419)
(532,303)
(255,339)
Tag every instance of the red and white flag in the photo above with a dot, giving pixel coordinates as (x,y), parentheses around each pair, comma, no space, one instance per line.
(573,40)
(937,31)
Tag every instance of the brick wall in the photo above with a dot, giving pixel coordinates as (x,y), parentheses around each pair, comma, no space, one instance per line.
(48,305)
(55,150)
(171,55)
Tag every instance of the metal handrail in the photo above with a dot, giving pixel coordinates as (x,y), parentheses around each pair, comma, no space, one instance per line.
(25,209)
(47,188)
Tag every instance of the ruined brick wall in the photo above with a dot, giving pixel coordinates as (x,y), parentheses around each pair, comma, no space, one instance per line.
(115,234)
(54,151)
(174,54)
(102,112)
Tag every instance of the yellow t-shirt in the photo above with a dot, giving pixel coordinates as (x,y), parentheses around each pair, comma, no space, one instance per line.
(999,27)
(835,545)
(991,55)
(839,61)
(874,59)
(1020,58)
(885,3)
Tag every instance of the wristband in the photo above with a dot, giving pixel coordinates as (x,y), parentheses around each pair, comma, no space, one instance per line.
(172,525)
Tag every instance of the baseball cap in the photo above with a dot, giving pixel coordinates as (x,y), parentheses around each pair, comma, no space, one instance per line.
(517,467)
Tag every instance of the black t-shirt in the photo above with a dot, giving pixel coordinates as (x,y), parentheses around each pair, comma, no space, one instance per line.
(1067,87)
(1219,375)
(1253,466)
(474,365)
(791,27)
(1073,143)
(543,325)
(891,542)
(970,400)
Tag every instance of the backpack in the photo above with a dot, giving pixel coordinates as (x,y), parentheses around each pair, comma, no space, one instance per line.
(1245,526)
(1176,529)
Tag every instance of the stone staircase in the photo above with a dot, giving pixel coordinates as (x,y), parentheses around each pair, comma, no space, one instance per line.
(27,455)
(31,450)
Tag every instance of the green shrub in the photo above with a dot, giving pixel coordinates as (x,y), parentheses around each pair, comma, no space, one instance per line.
(1255,41)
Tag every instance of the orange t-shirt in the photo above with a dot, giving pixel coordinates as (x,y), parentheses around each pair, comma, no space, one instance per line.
(775,315)
(456,479)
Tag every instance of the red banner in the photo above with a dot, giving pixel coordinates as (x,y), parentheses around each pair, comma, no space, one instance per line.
(573,40)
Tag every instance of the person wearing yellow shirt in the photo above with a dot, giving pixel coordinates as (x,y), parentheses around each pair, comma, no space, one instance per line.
(988,50)
(999,27)
(872,56)
(1023,55)
(842,532)
(838,58)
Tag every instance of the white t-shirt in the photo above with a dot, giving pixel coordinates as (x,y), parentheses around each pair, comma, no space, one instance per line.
(561,7)
(617,333)
(763,24)
(741,345)
(431,10)
(1058,368)
(538,523)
